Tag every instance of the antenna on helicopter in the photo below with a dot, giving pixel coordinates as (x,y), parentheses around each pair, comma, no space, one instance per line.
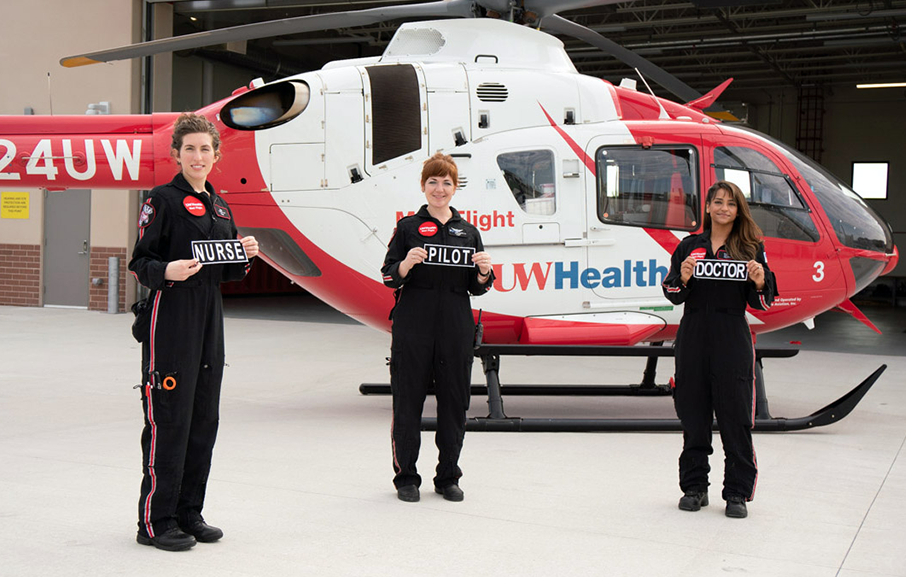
(663,114)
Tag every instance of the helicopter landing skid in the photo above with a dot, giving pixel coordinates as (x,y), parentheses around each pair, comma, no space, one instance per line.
(497,420)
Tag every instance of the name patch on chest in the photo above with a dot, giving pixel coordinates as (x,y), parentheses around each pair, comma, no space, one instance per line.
(715,269)
(444,255)
(194,206)
(219,251)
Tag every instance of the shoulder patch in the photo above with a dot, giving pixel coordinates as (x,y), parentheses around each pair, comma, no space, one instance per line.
(147,214)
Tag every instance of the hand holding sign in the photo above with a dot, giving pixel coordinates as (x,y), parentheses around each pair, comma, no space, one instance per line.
(180,270)
(250,244)
(687,269)
(483,261)
(756,273)
(416,255)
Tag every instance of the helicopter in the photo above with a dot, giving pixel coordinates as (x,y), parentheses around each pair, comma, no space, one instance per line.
(581,188)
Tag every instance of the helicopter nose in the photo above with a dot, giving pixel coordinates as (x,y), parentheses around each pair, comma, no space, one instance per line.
(865,270)
(892,262)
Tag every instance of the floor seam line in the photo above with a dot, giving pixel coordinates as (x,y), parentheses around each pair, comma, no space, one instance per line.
(870,506)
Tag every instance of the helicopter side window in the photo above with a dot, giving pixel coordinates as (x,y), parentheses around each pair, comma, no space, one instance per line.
(652,187)
(530,176)
(774,202)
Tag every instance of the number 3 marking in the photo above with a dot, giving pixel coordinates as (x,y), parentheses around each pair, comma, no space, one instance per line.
(819,272)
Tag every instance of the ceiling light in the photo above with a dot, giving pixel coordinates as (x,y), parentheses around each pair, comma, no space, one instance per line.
(883,85)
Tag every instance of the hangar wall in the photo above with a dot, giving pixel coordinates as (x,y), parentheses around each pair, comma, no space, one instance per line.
(33,37)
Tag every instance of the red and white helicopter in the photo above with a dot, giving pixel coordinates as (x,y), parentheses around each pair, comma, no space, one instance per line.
(581,189)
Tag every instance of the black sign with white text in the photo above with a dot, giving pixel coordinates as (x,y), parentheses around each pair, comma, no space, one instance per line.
(218,251)
(444,255)
(721,269)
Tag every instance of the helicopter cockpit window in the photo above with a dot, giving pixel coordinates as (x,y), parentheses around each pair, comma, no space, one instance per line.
(530,176)
(652,187)
(775,205)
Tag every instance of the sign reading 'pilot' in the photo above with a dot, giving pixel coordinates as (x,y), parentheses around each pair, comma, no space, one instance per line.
(218,251)
(443,255)
(721,269)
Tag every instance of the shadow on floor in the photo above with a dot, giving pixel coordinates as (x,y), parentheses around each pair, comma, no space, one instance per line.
(834,331)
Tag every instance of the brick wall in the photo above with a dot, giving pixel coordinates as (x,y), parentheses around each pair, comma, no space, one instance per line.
(20,274)
(97,295)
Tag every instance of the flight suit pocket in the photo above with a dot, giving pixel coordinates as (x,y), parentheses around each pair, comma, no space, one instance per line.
(467,396)
(163,391)
(743,395)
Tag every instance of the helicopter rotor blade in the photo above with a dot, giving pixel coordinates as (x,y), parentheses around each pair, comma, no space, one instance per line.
(449,8)
(545,8)
(650,70)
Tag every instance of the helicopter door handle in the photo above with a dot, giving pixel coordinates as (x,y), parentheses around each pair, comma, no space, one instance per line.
(590,242)
(84,247)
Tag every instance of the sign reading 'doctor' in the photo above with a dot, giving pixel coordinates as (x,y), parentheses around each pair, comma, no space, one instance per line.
(715,269)
(218,251)
(444,255)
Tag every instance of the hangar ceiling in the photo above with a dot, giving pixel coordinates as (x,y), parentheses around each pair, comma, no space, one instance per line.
(763,45)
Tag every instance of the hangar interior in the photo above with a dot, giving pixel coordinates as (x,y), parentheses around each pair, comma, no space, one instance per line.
(795,66)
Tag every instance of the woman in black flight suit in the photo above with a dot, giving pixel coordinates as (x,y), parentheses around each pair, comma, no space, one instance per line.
(182,354)
(714,351)
(433,329)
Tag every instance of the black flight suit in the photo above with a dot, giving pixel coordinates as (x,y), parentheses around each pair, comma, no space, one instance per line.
(433,336)
(715,362)
(183,356)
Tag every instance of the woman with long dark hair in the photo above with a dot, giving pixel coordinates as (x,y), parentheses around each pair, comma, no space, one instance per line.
(714,349)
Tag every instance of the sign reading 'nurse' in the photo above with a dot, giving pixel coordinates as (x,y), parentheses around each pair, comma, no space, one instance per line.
(219,251)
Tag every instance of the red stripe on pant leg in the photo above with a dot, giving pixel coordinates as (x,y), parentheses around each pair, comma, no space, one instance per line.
(149,387)
(148,526)
(754,400)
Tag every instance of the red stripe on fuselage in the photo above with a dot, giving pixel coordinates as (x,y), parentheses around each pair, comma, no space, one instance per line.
(666,239)
(589,163)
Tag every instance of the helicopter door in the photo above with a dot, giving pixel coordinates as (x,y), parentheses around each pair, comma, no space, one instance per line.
(344,117)
(448,106)
(396,117)
(646,198)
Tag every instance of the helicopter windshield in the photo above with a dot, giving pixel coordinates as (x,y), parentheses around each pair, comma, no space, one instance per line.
(773,201)
(855,223)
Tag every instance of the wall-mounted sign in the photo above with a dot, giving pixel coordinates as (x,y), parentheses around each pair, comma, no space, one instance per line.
(14,205)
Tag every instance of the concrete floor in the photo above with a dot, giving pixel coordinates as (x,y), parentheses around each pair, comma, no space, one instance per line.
(301,482)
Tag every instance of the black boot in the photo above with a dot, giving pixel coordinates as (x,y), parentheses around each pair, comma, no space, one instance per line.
(693,500)
(170,540)
(450,492)
(408,493)
(736,507)
(194,525)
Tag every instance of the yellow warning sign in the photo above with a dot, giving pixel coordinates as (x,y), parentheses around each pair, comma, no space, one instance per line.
(13,205)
